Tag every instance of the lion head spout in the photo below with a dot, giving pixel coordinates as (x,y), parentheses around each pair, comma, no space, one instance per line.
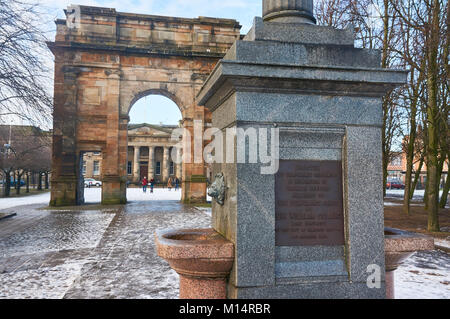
(217,189)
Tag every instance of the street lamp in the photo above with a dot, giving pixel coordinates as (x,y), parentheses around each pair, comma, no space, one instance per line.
(6,147)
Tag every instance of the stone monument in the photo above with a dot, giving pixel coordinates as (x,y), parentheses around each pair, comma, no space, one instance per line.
(315,228)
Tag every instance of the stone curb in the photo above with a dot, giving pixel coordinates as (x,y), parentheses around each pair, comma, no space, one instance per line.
(5,216)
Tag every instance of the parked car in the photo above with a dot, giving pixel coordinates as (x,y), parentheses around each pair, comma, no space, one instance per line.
(22,183)
(88,182)
(395,184)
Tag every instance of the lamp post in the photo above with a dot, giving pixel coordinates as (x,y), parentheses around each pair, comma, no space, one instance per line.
(6,149)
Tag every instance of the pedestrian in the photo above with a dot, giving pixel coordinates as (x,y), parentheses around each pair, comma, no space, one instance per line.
(152,184)
(177,183)
(144,184)
(169,184)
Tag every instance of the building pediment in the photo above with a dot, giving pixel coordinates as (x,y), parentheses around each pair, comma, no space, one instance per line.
(150,130)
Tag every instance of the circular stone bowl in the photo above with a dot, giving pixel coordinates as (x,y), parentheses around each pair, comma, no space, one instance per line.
(202,257)
(400,245)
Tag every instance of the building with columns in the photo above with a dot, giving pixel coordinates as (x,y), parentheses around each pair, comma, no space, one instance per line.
(149,154)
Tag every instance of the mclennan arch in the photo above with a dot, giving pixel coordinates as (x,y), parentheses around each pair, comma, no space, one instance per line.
(104,62)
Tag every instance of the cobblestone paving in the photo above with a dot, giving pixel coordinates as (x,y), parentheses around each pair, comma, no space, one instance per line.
(101,253)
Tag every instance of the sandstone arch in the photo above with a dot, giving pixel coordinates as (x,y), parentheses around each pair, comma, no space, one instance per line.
(106,60)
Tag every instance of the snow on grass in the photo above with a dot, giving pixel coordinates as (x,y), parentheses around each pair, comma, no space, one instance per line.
(426,275)
(92,196)
(26,200)
(392,204)
(399,193)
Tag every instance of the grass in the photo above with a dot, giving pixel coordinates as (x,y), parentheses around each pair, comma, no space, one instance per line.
(417,221)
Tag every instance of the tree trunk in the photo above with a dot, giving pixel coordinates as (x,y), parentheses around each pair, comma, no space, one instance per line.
(425,195)
(40,181)
(416,178)
(7,184)
(444,197)
(18,184)
(410,155)
(386,100)
(47,186)
(432,197)
(385,176)
(408,177)
(28,182)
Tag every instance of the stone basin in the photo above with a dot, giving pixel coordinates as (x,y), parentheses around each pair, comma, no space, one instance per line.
(400,245)
(202,257)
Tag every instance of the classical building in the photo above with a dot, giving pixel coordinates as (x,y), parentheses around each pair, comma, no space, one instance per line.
(150,150)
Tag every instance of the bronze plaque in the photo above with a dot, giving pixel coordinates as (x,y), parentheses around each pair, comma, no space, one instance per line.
(309,204)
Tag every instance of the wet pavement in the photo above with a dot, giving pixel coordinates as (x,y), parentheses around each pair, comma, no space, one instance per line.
(94,253)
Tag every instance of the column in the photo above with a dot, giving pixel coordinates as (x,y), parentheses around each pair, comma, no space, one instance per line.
(166,165)
(136,164)
(67,186)
(151,162)
(288,11)
(193,174)
(115,151)
(179,166)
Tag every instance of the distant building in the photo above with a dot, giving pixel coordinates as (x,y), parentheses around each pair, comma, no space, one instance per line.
(397,170)
(149,154)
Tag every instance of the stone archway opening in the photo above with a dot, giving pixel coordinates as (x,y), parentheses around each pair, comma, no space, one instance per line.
(153,118)
(90,181)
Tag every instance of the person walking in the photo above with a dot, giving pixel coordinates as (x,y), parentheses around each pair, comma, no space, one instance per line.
(169,184)
(177,183)
(152,184)
(144,185)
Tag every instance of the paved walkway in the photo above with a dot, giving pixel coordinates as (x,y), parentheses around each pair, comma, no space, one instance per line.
(105,253)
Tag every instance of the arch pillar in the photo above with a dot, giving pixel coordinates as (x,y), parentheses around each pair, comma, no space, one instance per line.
(136,164)
(193,172)
(115,156)
(178,167)
(151,162)
(65,181)
(165,166)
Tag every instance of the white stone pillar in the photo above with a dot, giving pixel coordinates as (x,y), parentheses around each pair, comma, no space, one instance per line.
(166,167)
(136,164)
(179,166)
(151,162)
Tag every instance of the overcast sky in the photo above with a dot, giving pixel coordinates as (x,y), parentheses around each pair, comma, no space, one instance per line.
(158,109)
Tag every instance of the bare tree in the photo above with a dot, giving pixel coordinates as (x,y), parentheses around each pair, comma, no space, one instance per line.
(24,77)
(413,35)
(427,19)
(29,149)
